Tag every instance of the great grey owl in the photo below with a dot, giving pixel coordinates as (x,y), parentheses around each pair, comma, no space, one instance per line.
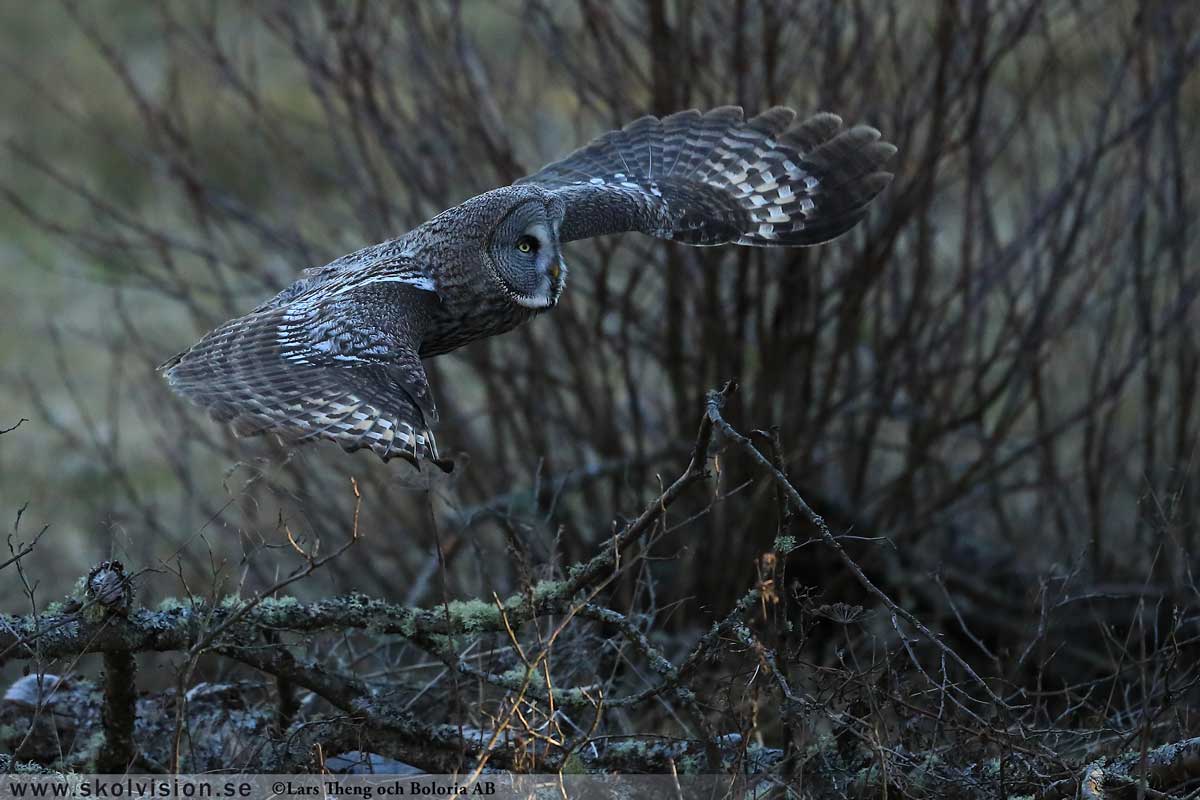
(337,355)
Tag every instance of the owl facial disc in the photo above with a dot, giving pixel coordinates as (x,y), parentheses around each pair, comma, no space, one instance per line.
(525,256)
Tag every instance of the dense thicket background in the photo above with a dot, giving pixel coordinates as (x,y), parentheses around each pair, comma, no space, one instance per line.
(989,387)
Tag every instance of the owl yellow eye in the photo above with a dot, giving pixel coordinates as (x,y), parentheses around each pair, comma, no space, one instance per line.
(527,244)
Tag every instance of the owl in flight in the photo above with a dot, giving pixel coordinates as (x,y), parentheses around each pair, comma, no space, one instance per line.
(337,355)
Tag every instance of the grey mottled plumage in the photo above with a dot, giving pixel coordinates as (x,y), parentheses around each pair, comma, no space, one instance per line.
(337,355)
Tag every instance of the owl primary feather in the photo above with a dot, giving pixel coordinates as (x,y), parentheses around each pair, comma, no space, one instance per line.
(337,355)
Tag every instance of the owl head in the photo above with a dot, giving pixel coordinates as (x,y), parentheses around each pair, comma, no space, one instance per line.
(504,242)
(522,251)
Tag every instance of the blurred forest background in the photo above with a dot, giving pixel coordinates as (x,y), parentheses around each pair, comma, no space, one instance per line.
(989,388)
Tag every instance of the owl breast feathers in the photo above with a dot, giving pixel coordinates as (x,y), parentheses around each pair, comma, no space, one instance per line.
(337,355)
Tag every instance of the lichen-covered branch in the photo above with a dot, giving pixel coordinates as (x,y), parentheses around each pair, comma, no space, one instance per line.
(1159,768)
(179,626)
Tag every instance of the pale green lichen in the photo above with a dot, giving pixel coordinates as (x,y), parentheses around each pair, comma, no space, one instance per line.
(231,602)
(548,590)
(173,604)
(385,618)
(277,610)
(479,616)
(475,616)
(355,604)
(627,749)
(10,766)
(785,544)
(516,676)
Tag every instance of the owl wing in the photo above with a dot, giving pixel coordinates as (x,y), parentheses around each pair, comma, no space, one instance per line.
(338,361)
(716,177)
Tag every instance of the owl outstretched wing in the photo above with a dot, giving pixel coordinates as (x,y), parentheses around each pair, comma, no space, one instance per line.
(716,177)
(339,361)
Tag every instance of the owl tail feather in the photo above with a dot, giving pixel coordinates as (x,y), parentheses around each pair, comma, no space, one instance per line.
(245,374)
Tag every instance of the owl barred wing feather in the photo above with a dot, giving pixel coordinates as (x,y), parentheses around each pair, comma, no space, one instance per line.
(716,177)
(339,363)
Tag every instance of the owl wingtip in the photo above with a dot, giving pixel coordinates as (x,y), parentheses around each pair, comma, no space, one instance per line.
(446,465)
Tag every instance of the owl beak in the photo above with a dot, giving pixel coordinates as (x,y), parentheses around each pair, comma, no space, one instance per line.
(555,270)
